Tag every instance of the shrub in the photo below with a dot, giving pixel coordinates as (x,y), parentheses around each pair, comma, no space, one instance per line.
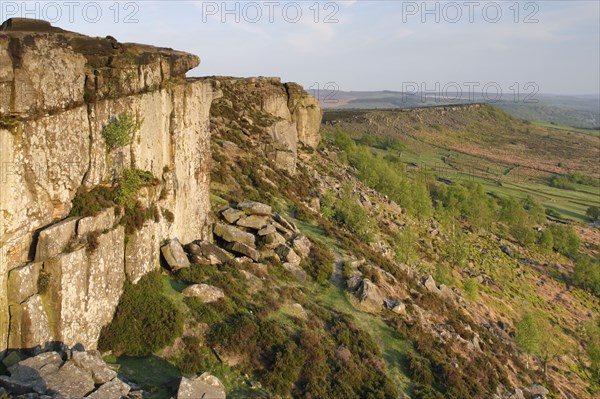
(145,320)
(131,181)
(471,289)
(90,203)
(120,129)
(319,263)
(351,214)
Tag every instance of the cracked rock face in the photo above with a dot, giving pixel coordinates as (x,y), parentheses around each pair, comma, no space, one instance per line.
(52,79)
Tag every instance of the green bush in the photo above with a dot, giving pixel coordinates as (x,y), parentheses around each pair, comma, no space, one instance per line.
(120,130)
(130,182)
(90,203)
(351,214)
(145,320)
(587,274)
(319,264)
(593,213)
(566,240)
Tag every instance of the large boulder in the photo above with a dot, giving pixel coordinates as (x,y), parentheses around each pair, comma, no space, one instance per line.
(70,381)
(233,234)
(204,292)
(255,208)
(301,245)
(370,295)
(204,386)
(431,286)
(175,255)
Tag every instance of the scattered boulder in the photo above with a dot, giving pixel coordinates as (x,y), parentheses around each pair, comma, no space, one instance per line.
(244,249)
(397,307)
(370,295)
(203,386)
(70,381)
(431,285)
(285,223)
(286,253)
(175,255)
(296,271)
(507,250)
(206,293)
(255,208)
(274,240)
(233,234)
(302,245)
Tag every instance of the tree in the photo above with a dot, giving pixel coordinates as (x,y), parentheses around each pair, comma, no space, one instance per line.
(546,241)
(539,338)
(587,274)
(566,240)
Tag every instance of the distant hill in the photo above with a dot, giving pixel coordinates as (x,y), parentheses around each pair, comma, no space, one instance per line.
(576,111)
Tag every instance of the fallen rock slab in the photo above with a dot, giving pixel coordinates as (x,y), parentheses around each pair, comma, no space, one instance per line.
(244,249)
(233,234)
(206,293)
(212,253)
(92,362)
(204,386)
(255,222)
(175,255)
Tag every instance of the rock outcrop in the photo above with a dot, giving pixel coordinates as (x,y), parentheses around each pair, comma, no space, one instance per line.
(250,107)
(51,79)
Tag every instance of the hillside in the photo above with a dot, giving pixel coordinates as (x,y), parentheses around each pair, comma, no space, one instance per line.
(483,144)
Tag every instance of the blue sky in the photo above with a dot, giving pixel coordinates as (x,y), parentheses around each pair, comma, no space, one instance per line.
(367,45)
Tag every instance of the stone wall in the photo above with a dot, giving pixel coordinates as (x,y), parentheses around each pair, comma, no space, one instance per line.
(58,90)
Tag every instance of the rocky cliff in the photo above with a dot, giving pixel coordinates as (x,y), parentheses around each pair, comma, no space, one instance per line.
(67,243)
(60,90)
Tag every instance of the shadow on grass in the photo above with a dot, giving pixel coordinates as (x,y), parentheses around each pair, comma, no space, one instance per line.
(154,374)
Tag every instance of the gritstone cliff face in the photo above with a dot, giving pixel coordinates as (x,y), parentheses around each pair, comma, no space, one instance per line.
(62,272)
